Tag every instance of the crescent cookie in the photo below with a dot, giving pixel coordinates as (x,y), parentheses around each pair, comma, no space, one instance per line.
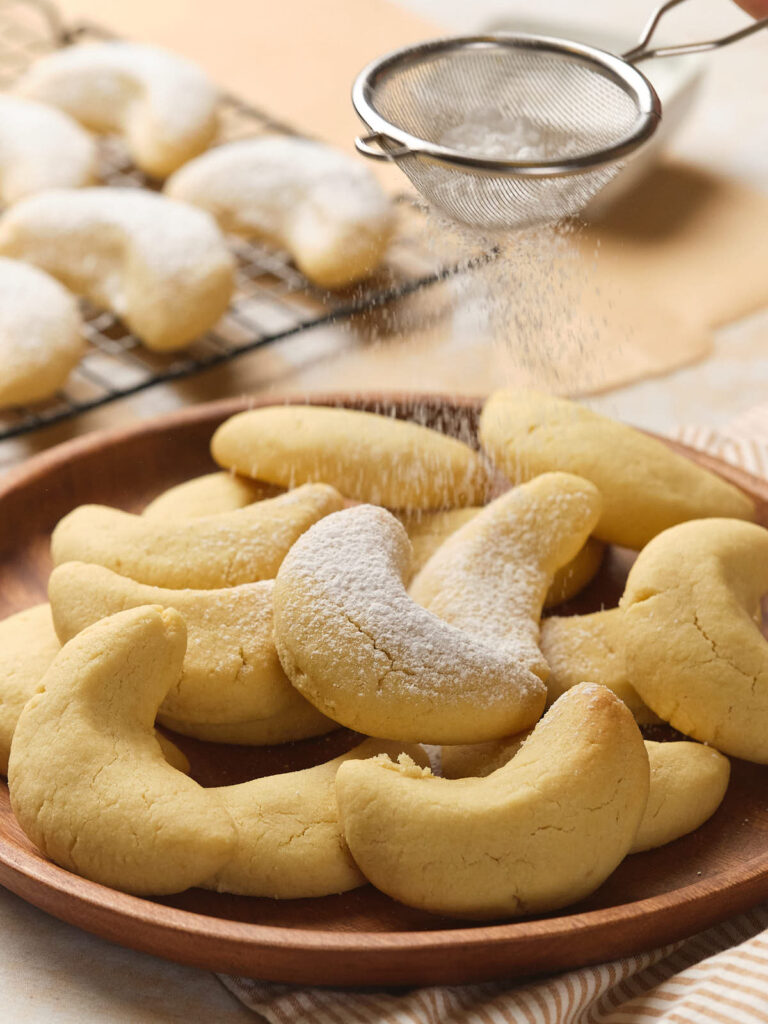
(321,205)
(646,487)
(41,148)
(205,554)
(370,458)
(687,785)
(91,789)
(579,647)
(208,495)
(88,781)
(363,652)
(492,575)
(28,645)
(428,530)
(161,266)
(163,105)
(693,649)
(290,843)
(41,336)
(539,833)
(231,676)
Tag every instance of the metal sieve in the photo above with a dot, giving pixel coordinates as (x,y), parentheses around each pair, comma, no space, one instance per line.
(593,108)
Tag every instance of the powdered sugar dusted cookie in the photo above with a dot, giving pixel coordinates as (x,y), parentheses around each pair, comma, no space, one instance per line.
(164,105)
(427,531)
(41,336)
(40,148)
(160,265)
(363,652)
(323,206)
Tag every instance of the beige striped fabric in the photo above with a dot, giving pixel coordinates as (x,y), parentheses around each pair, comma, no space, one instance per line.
(717,977)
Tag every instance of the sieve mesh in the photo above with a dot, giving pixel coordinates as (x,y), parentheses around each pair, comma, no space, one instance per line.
(580,107)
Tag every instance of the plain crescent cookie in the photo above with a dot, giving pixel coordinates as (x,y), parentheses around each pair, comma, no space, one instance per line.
(163,105)
(205,554)
(579,647)
(688,783)
(161,266)
(90,787)
(231,676)
(353,641)
(28,645)
(539,833)
(88,780)
(208,495)
(694,651)
(371,458)
(41,148)
(41,334)
(321,205)
(290,842)
(428,530)
(646,487)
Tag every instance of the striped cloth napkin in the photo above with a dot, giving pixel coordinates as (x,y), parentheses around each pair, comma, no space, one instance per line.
(717,977)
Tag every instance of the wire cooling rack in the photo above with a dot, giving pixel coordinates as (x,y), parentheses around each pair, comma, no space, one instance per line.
(272,300)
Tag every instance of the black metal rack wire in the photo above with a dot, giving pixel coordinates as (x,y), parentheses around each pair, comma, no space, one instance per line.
(272,300)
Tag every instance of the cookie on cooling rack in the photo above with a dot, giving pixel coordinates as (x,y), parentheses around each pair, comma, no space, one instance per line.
(41,148)
(163,105)
(41,336)
(320,204)
(160,265)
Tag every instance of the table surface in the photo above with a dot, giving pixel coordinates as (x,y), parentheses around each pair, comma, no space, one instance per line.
(50,971)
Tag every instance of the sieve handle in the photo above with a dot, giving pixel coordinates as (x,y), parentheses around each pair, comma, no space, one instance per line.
(642,52)
(363,145)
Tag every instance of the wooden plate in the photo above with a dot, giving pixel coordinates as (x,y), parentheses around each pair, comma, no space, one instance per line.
(362,937)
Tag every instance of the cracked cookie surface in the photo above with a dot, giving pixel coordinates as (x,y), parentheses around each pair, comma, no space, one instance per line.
(694,652)
(539,833)
(361,650)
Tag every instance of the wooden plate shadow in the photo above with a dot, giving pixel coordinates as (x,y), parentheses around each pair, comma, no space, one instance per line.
(362,937)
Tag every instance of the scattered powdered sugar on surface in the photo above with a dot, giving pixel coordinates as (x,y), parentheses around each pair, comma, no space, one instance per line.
(349,568)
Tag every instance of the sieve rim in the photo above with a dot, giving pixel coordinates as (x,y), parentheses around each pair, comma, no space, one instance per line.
(623,74)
